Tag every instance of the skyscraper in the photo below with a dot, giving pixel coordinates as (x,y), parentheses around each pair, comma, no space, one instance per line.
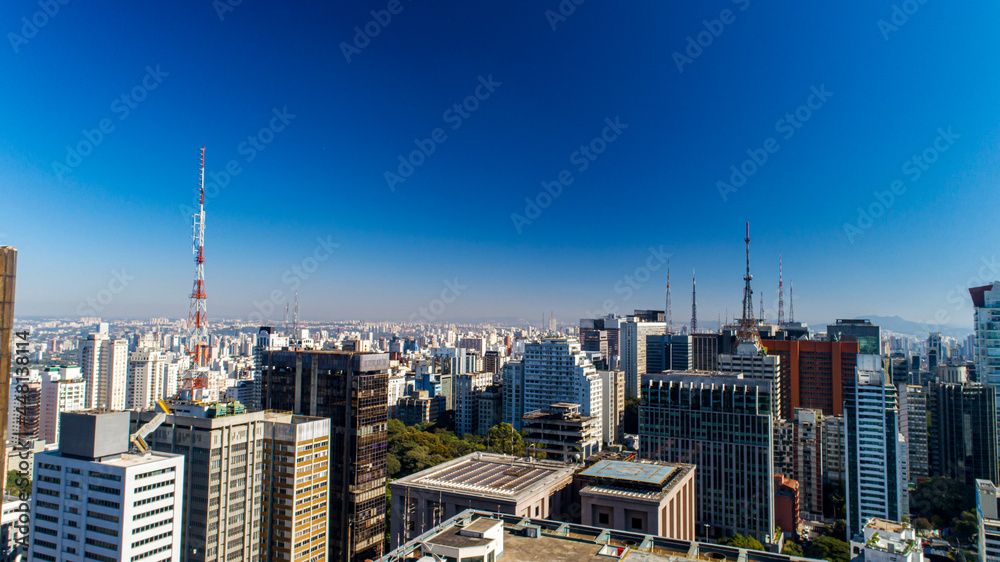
(813,373)
(349,388)
(867,335)
(913,426)
(722,424)
(963,432)
(63,390)
(986,321)
(934,350)
(8,276)
(104,363)
(876,452)
(633,349)
(465,397)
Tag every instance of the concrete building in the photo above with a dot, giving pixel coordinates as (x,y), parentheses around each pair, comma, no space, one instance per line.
(8,278)
(26,408)
(705,352)
(489,411)
(490,482)
(613,408)
(104,364)
(876,453)
(799,457)
(562,433)
(963,432)
(465,398)
(14,529)
(94,501)
(958,374)
(723,425)
(223,446)
(419,407)
(754,364)
(471,535)
(651,498)
(349,388)
(988,517)
(986,322)
(633,349)
(146,379)
(934,351)
(512,375)
(295,488)
(63,390)
(834,450)
(813,373)
(786,504)
(886,541)
(913,425)
(868,336)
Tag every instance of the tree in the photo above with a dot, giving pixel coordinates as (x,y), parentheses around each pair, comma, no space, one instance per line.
(792,549)
(922,524)
(12,489)
(829,548)
(942,501)
(739,541)
(837,531)
(392,465)
(966,527)
(503,439)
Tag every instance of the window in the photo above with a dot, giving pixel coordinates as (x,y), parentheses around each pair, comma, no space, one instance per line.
(602,518)
(637,523)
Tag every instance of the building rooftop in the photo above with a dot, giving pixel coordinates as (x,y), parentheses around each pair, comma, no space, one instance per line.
(648,473)
(554,540)
(490,475)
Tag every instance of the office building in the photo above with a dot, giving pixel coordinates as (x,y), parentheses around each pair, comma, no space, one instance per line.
(988,517)
(349,388)
(613,407)
(104,364)
(705,352)
(478,533)
(633,349)
(611,325)
(863,332)
(651,498)
(223,445)
(952,373)
(561,433)
(986,322)
(799,456)
(26,408)
(963,432)
(146,379)
(813,373)
(934,351)
(295,488)
(754,364)
(92,500)
(513,393)
(465,397)
(786,504)
(493,361)
(14,529)
(723,425)
(491,482)
(876,452)
(594,340)
(8,278)
(63,390)
(489,411)
(834,449)
(419,407)
(913,426)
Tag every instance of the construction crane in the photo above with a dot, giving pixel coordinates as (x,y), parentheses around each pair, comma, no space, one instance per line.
(138,439)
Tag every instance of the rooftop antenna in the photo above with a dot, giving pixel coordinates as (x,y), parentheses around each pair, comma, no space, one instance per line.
(781,296)
(747,337)
(197,329)
(669,318)
(295,316)
(791,303)
(694,304)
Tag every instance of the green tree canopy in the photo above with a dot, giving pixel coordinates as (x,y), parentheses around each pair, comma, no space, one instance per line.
(829,548)
(792,549)
(503,439)
(739,541)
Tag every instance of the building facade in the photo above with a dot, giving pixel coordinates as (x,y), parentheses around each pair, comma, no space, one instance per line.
(633,349)
(963,432)
(913,425)
(63,390)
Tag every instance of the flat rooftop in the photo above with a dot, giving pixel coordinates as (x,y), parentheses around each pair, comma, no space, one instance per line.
(647,473)
(490,475)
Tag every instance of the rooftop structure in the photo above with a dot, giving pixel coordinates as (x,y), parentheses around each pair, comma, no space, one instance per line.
(882,540)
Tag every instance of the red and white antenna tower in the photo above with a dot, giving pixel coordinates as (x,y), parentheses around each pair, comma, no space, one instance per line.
(781,296)
(197,329)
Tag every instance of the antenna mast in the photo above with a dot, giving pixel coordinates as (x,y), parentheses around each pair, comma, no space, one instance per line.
(694,304)
(669,318)
(781,296)
(748,324)
(791,303)
(197,329)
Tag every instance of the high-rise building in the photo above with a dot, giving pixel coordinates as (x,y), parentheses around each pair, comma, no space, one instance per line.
(668,352)
(754,364)
(867,335)
(705,349)
(613,407)
(799,457)
(555,370)
(465,398)
(8,277)
(986,321)
(224,452)
(295,489)
(146,379)
(988,517)
(813,373)
(561,433)
(349,388)
(723,425)
(63,390)
(934,351)
(963,432)
(876,452)
(633,349)
(834,449)
(913,426)
(513,393)
(92,500)
(104,363)
(489,411)
(594,340)
(25,409)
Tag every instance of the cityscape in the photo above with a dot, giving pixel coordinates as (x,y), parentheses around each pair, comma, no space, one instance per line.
(499,281)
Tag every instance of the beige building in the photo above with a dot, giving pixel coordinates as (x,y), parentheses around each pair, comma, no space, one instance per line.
(652,498)
(613,412)
(490,482)
(562,433)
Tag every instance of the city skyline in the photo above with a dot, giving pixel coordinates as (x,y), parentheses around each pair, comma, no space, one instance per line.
(330,123)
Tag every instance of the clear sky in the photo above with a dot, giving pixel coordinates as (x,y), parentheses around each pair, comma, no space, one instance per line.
(885,81)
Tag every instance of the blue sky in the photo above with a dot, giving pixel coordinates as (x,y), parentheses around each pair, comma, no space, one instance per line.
(893,89)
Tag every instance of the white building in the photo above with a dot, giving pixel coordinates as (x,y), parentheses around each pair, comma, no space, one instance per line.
(104,364)
(633,334)
(613,405)
(988,516)
(876,451)
(986,322)
(146,378)
(396,389)
(755,365)
(63,390)
(465,398)
(14,522)
(886,541)
(93,501)
(557,370)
